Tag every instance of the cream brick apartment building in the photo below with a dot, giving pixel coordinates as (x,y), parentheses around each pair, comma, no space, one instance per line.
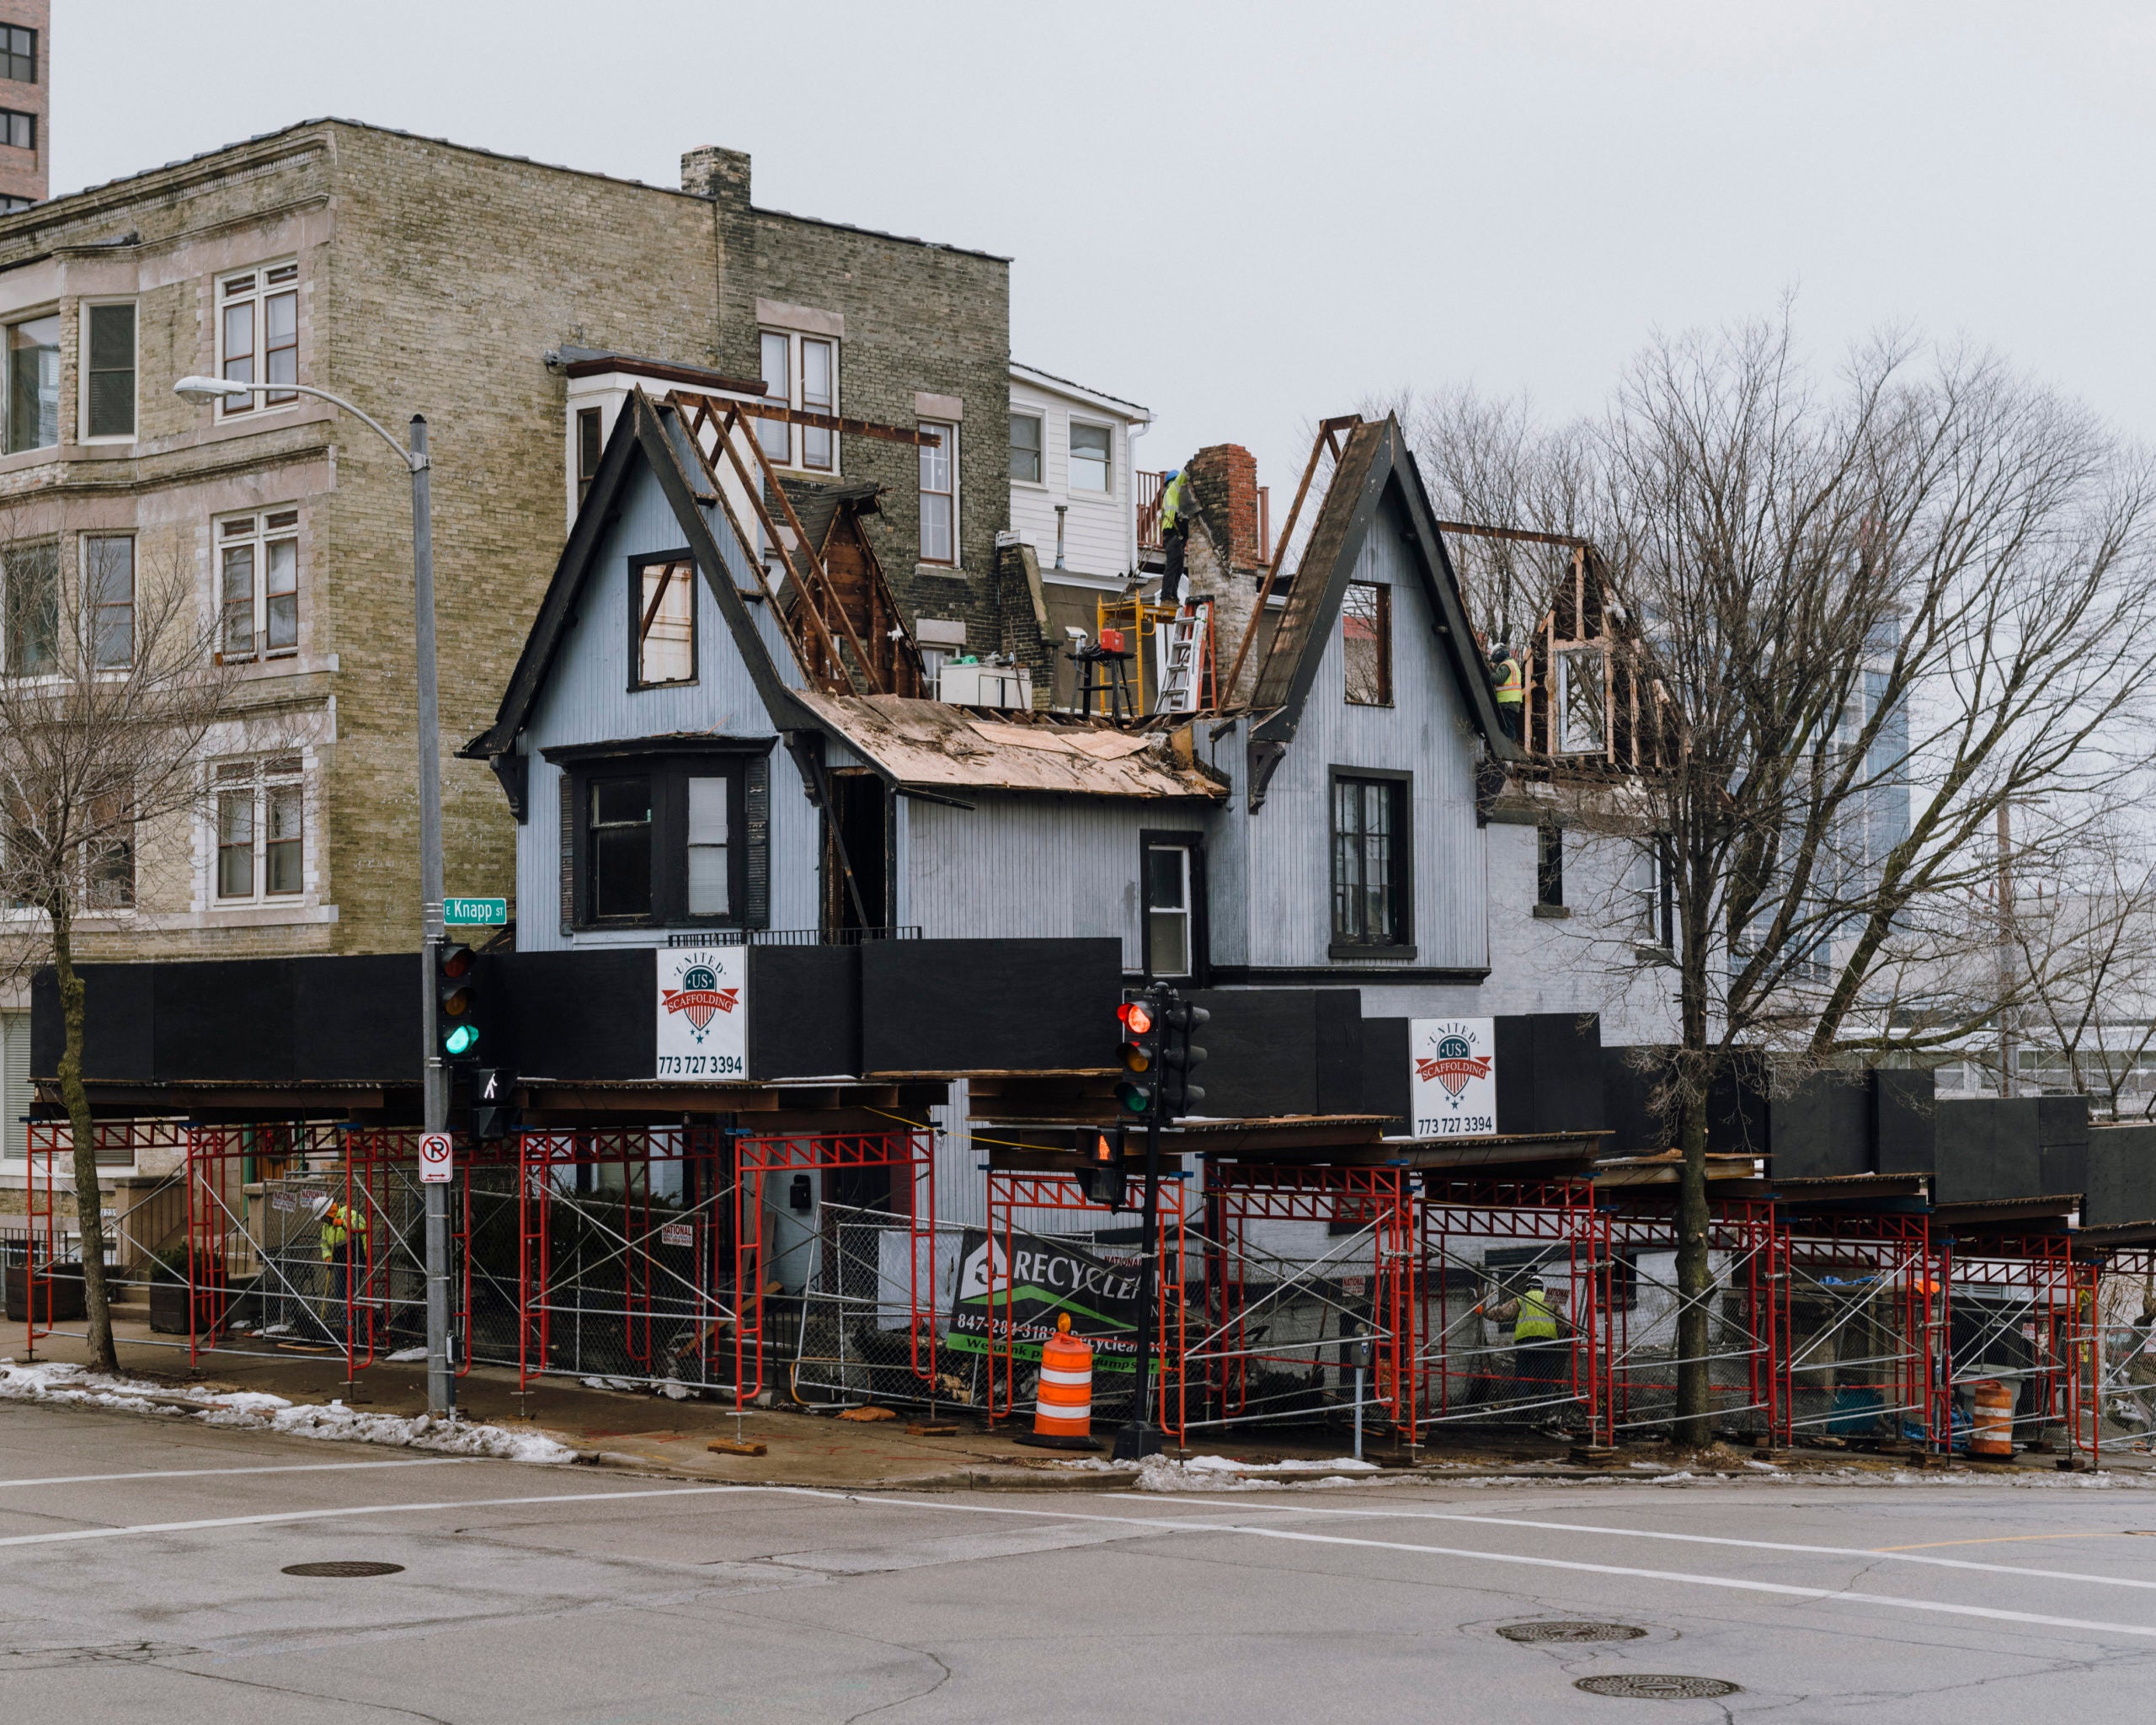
(409,276)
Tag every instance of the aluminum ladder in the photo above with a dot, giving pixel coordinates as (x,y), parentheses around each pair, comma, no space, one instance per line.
(1179,666)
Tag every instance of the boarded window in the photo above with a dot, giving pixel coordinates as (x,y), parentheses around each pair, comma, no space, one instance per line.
(1366,643)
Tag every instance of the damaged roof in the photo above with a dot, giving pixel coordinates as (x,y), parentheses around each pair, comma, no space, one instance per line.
(930,746)
(817,502)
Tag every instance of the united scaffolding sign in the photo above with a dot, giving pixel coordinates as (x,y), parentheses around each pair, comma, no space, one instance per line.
(703,1013)
(1453,1076)
(1020,1294)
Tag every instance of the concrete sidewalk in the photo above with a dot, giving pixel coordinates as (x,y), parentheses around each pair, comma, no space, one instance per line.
(649,1432)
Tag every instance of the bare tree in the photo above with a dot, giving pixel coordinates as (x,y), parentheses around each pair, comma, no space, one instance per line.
(110,687)
(1881,605)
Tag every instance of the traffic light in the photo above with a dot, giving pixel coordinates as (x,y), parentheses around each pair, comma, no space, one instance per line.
(1100,1165)
(1179,1056)
(1138,1093)
(492,1115)
(456,996)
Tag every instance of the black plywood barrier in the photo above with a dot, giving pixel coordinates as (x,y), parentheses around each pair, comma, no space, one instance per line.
(119,1024)
(990,1006)
(2063,1142)
(1820,1127)
(1271,1052)
(1567,1074)
(804,1012)
(1385,1088)
(1988,1150)
(1904,1120)
(357,1019)
(2122,1176)
(1628,1077)
(591,1014)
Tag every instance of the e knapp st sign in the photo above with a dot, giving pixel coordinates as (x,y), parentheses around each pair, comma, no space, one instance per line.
(1452,1076)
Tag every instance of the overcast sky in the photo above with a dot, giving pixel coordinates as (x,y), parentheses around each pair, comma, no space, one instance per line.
(1250,217)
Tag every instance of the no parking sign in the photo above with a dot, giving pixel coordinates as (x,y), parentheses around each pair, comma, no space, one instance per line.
(437,1159)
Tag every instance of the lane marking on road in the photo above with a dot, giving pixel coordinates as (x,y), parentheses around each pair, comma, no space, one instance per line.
(2010,1538)
(1894,1554)
(87,1479)
(1727,1583)
(291,1515)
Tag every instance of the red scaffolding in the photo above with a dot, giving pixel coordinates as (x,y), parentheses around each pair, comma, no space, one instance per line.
(1010,1190)
(1874,1282)
(637,1286)
(2032,1294)
(1457,1385)
(1241,1336)
(50,1147)
(911,1157)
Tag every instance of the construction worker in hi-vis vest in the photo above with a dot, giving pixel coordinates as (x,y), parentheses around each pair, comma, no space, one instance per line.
(343,1232)
(1539,1356)
(1175,533)
(1511,690)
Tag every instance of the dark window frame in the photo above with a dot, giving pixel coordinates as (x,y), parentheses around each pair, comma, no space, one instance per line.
(638,565)
(588,450)
(1402,785)
(1383,589)
(9,118)
(669,771)
(14,55)
(1549,866)
(97,402)
(1038,450)
(1201,941)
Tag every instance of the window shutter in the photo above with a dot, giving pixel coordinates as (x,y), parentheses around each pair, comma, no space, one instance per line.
(568,852)
(756,797)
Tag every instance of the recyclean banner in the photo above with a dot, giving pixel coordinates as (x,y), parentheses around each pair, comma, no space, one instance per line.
(1023,1291)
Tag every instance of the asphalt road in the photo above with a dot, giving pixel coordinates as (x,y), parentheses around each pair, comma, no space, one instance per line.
(141,1577)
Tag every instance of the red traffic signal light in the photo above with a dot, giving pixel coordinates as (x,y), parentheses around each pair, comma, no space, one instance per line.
(1136,1016)
(1141,1056)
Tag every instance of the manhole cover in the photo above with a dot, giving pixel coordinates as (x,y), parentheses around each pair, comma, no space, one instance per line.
(1644,1687)
(344,1570)
(1570,1631)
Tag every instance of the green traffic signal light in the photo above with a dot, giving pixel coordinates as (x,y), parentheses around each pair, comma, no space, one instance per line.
(462,1040)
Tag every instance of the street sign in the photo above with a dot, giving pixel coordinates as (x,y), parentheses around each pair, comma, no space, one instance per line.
(436,1159)
(480,913)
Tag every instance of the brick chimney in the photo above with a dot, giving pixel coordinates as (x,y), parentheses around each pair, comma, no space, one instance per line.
(1224,477)
(711,172)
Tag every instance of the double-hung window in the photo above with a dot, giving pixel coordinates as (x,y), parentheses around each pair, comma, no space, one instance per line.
(1174,886)
(1092,450)
(30,607)
(662,617)
(939,492)
(261,829)
(34,383)
(1370,827)
(109,597)
(660,840)
(19,53)
(801,374)
(109,853)
(109,371)
(258,585)
(18,129)
(259,334)
(1026,448)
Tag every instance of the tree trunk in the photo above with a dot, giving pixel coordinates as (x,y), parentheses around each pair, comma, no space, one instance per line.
(89,1202)
(1693,1271)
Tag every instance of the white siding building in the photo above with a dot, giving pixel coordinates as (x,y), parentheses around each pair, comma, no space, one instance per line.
(1073,496)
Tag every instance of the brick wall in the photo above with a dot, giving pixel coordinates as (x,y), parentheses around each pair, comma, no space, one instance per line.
(26,173)
(1224,478)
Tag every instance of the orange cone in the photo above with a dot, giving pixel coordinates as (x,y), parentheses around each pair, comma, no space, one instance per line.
(1063,1410)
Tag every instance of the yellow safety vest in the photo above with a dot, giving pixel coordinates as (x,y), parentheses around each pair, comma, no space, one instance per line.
(339,1223)
(1536,1323)
(1171,505)
(1512,683)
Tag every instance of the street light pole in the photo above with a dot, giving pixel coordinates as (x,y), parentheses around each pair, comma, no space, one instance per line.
(434,1075)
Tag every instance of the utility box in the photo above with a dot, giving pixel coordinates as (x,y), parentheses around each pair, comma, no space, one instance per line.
(979,684)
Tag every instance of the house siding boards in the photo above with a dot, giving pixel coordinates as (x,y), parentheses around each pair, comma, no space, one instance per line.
(1426,732)
(1097,537)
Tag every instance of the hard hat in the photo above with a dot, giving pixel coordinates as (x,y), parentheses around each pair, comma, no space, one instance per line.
(1171,473)
(319,1205)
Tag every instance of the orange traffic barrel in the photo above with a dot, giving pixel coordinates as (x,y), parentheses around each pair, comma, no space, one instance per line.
(1063,1410)
(1992,1432)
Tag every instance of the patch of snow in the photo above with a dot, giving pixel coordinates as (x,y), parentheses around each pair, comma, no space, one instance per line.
(404,1355)
(46,1380)
(1218,1473)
